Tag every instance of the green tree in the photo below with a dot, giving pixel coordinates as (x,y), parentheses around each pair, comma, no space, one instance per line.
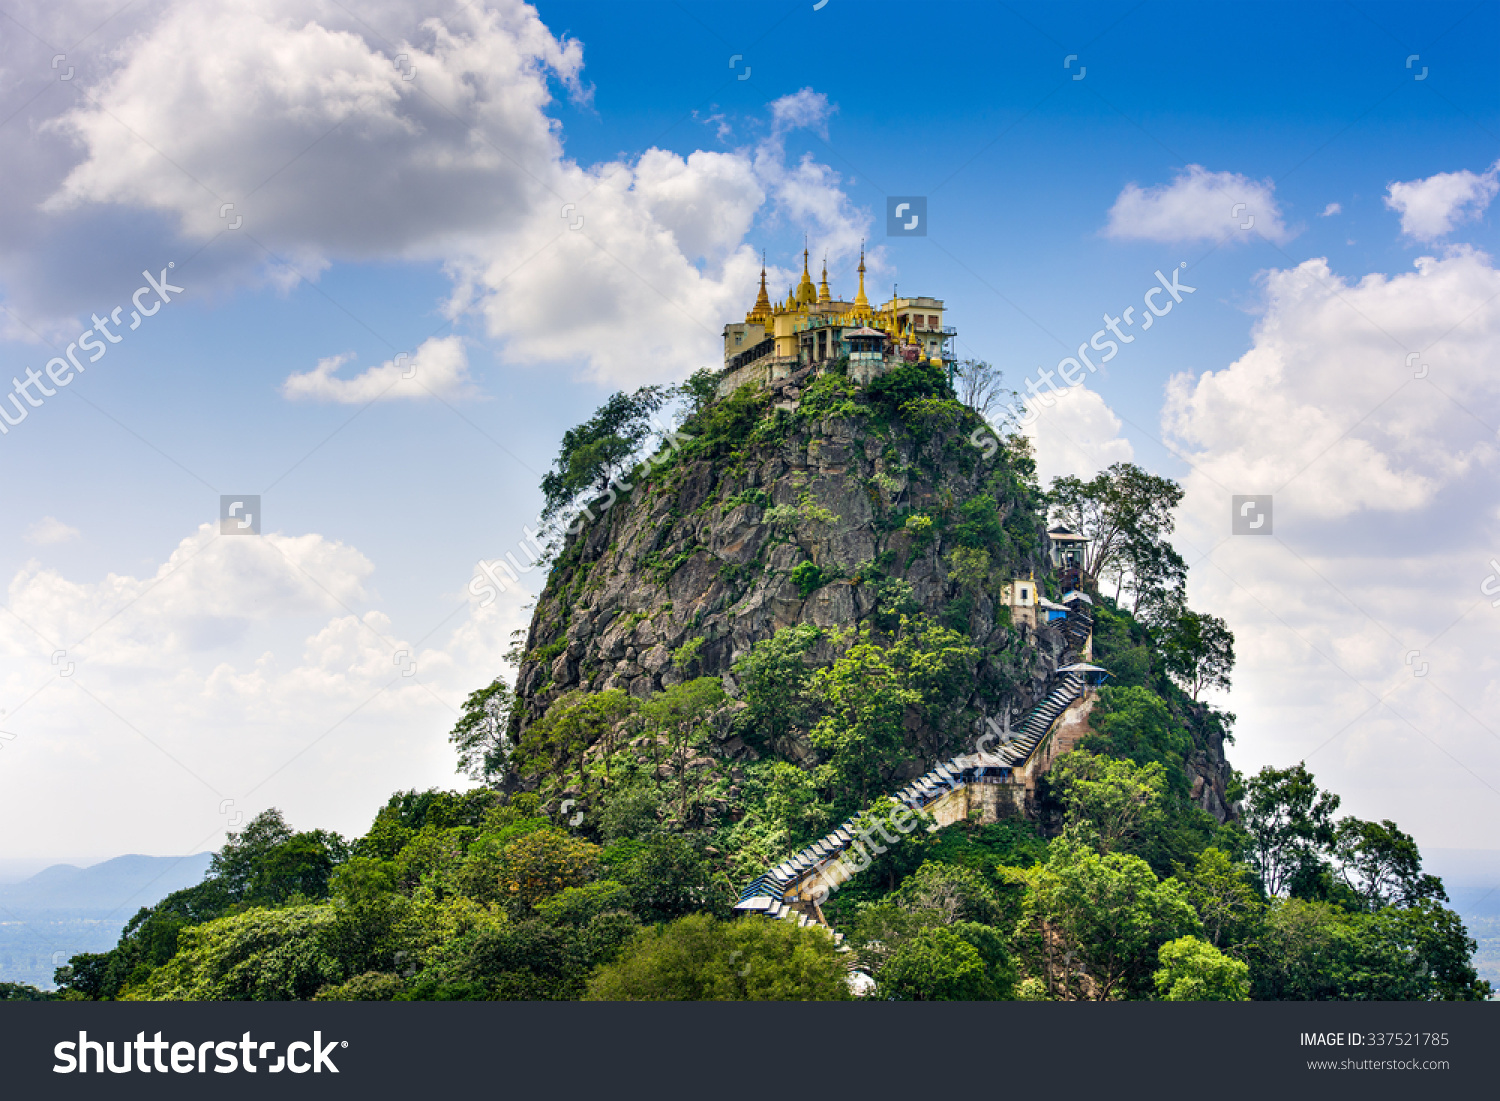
(597,452)
(866,692)
(773,678)
(1222,893)
(1300,952)
(1135,724)
(526,960)
(969,568)
(479,734)
(1420,952)
(371,933)
(698,958)
(1109,804)
(259,955)
(1291,826)
(299,867)
(1126,514)
(94,976)
(665,875)
(267,862)
(1103,918)
(371,986)
(237,864)
(681,714)
(698,391)
(572,725)
(1198,651)
(629,810)
(578,906)
(964,961)
(1192,970)
(938,662)
(1383,865)
(1315,951)
(1155,576)
(907,383)
(786,799)
(865,698)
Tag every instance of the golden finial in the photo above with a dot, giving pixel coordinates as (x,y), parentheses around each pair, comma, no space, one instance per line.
(761,313)
(861,303)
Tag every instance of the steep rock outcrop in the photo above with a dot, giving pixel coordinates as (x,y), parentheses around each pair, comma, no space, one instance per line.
(703,551)
(837,522)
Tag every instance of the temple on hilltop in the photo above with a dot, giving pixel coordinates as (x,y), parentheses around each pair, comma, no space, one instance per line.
(780,344)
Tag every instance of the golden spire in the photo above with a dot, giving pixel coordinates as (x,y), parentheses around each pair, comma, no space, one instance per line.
(861,303)
(762,311)
(806,292)
(823,295)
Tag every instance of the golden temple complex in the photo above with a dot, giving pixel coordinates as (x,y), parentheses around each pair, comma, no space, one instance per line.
(809,327)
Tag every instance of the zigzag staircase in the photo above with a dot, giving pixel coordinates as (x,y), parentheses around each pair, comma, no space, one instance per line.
(768,893)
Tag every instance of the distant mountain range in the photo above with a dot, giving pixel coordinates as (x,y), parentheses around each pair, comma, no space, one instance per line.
(123,884)
(64,909)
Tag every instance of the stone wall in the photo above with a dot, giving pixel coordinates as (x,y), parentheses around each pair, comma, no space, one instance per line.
(1072,727)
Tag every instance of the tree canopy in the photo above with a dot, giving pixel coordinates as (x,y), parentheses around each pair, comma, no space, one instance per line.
(596,452)
(1126,515)
(1198,651)
(698,958)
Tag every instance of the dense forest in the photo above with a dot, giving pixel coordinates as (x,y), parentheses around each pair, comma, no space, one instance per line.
(646,764)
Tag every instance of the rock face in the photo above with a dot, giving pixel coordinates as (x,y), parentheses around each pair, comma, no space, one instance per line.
(705,551)
(1209,767)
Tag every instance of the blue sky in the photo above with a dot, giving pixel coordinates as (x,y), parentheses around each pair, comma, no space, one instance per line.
(382,214)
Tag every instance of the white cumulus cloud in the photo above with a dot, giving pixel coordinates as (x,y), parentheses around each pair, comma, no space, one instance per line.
(1367,408)
(239,673)
(1198,205)
(807,109)
(292,121)
(438,369)
(1078,435)
(1430,208)
(49,531)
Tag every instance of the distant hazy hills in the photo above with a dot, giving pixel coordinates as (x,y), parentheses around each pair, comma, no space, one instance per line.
(1472,877)
(63,910)
(123,884)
